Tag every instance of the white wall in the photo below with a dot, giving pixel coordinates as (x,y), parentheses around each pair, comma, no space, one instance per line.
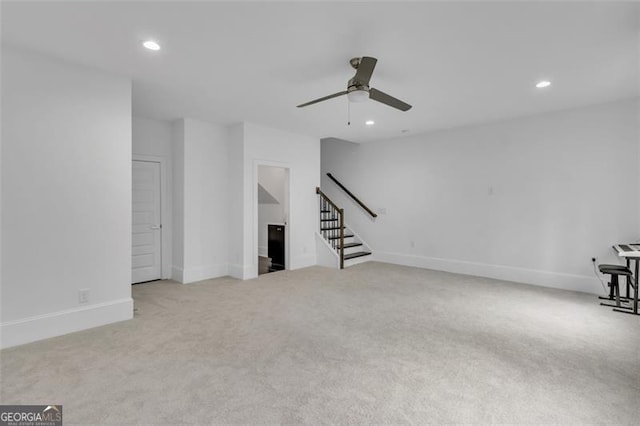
(66,197)
(177,210)
(152,141)
(201,185)
(529,200)
(236,201)
(260,145)
(152,137)
(272,180)
(217,166)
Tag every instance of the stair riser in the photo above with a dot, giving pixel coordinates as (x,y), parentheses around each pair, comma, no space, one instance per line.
(350,250)
(337,231)
(357,260)
(346,240)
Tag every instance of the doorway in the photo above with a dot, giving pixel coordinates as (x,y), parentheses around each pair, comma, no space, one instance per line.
(146,224)
(273,217)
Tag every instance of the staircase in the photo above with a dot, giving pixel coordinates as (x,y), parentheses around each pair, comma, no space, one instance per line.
(345,244)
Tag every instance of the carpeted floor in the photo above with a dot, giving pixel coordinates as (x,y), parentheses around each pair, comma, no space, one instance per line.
(375,343)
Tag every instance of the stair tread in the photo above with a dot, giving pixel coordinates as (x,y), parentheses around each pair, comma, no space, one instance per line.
(325,211)
(330,229)
(328,220)
(356,254)
(349,245)
(337,238)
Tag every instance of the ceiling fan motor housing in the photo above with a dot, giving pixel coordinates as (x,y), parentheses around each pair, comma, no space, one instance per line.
(355,85)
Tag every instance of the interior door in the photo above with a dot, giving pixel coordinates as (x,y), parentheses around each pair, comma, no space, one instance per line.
(146,262)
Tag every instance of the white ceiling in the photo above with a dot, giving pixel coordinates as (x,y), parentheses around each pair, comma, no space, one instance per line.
(456,63)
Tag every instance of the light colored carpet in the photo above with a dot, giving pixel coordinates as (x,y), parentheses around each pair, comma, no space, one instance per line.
(375,343)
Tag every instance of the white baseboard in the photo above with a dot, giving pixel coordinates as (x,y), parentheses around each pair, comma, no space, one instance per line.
(177,274)
(190,275)
(19,332)
(243,272)
(585,284)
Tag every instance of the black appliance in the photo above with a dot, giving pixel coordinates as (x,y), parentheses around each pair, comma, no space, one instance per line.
(276,247)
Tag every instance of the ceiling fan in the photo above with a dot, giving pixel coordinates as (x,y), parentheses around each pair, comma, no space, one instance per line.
(358,89)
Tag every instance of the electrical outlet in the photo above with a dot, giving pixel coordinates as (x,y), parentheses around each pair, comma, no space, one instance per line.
(83,296)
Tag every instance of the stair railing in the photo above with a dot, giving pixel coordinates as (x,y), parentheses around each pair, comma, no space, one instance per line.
(329,214)
(367,209)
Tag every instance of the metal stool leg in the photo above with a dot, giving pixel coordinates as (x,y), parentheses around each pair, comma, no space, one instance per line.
(615,293)
(610,297)
(633,310)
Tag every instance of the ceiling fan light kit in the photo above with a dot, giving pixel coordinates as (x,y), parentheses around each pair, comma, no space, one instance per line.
(358,95)
(358,89)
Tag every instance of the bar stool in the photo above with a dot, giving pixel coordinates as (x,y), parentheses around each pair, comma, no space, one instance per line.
(614,285)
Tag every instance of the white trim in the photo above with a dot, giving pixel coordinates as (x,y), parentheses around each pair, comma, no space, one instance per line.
(242,272)
(325,254)
(287,235)
(177,273)
(366,246)
(165,213)
(585,284)
(26,330)
(200,273)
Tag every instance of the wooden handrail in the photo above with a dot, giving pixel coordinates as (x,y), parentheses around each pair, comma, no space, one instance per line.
(367,209)
(318,191)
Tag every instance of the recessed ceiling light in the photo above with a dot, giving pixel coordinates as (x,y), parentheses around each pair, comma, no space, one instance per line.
(542,84)
(369,122)
(151,45)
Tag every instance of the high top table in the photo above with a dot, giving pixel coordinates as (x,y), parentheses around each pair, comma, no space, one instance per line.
(631,252)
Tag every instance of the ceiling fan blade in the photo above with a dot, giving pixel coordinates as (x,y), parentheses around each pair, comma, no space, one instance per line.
(365,69)
(379,96)
(315,101)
